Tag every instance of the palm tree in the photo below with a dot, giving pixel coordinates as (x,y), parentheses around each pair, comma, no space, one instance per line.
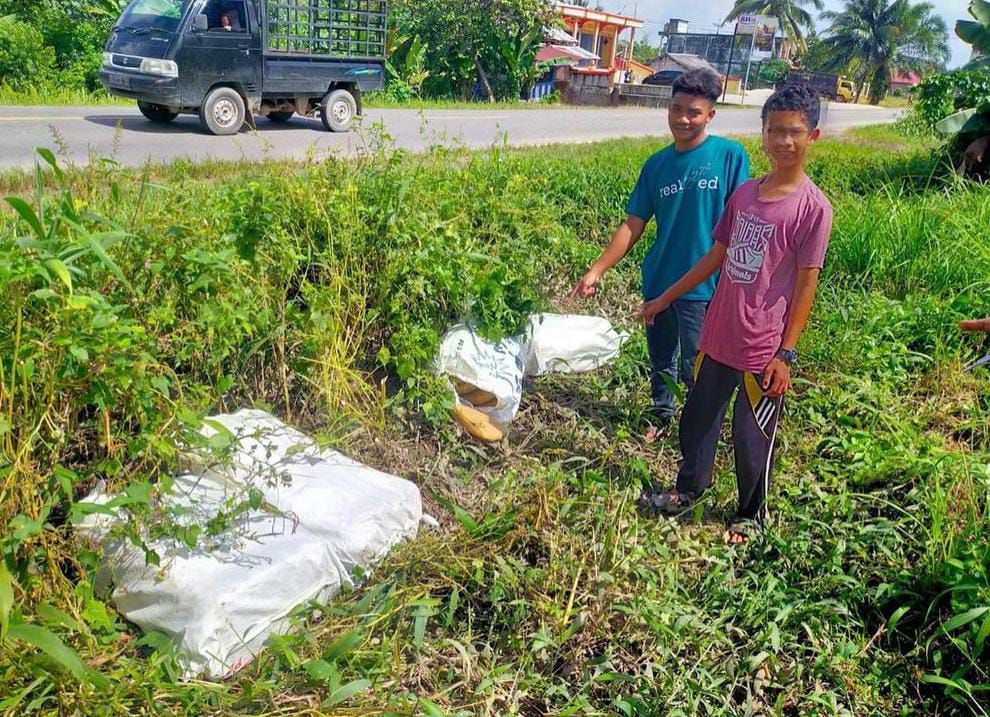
(794,19)
(882,38)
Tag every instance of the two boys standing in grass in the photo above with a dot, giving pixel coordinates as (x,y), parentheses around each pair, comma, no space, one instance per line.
(768,238)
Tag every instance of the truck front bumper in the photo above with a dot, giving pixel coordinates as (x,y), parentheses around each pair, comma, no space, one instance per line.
(142,87)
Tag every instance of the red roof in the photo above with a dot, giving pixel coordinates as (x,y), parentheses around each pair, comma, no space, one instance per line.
(909,79)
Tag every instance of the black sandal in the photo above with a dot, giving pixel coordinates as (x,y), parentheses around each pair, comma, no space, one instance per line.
(744,528)
(668,502)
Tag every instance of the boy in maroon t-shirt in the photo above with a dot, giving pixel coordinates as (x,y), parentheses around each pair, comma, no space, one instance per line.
(770,246)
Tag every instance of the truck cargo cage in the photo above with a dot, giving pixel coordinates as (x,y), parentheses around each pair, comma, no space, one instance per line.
(327,28)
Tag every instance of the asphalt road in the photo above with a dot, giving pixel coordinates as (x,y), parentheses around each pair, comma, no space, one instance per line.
(82,133)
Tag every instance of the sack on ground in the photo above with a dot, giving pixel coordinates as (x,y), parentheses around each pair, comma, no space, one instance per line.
(493,369)
(316,518)
(488,376)
(561,343)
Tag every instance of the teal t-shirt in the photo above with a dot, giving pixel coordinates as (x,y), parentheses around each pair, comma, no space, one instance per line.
(686,192)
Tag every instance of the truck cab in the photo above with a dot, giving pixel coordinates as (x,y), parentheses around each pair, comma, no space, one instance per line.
(231,61)
(845,91)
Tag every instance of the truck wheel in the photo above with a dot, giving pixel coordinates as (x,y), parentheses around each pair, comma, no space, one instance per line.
(279,117)
(223,112)
(157,113)
(338,110)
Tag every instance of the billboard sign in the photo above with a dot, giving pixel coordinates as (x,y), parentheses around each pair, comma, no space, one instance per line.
(763,28)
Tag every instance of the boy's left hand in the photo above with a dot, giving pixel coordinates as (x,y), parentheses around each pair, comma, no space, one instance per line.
(776,378)
(653,307)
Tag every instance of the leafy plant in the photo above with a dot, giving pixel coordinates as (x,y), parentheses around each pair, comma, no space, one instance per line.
(320,290)
(24,58)
(774,72)
(976,32)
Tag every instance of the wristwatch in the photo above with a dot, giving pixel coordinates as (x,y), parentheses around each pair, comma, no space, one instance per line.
(789,356)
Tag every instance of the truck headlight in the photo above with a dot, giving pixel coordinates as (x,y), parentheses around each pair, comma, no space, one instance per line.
(164,68)
(107,59)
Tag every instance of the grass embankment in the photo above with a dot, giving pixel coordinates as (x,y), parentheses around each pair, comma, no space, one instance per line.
(216,287)
(57,97)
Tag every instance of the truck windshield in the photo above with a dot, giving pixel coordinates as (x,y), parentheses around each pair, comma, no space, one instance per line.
(146,15)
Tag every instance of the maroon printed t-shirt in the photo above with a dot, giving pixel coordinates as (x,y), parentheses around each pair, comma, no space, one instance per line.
(767,241)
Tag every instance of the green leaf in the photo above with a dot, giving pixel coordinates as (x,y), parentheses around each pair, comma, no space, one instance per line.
(6,597)
(937,680)
(61,271)
(28,215)
(965,618)
(95,243)
(66,479)
(57,650)
(345,692)
(343,645)
(318,670)
(981,638)
(896,617)
(419,629)
(49,156)
(463,517)
(431,709)
(53,616)
(980,9)
(81,510)
(25,527)
(954,123)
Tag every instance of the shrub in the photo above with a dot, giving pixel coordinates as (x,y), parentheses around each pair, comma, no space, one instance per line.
(774,71)
(24,58)
(942,94)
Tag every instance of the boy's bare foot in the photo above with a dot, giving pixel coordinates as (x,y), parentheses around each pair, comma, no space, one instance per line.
(740,532)
(659,427)
(655,433)
(735,538)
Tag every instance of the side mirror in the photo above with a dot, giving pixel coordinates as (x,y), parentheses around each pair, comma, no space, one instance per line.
(200,23)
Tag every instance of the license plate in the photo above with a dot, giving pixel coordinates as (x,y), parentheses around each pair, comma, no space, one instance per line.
(121,82)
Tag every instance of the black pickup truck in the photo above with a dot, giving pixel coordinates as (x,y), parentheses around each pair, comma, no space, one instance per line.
(231,61)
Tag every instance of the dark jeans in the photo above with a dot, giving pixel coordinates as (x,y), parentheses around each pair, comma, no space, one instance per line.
(754,430)
(674,335)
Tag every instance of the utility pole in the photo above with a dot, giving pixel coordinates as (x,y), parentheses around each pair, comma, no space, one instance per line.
(728,70)
(749,61)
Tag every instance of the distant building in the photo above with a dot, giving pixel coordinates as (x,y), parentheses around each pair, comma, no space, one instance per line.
(904,82)
(636,72)
(597,33)
(588,64)
(680,61)
(716,47)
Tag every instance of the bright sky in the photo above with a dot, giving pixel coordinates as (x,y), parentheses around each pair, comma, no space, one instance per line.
(706,14)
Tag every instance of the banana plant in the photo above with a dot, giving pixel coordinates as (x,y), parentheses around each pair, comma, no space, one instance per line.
(519,54)
(971,127)
(976,32)
(407,60)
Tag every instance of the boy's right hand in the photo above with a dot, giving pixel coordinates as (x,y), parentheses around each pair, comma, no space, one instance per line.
(586,287)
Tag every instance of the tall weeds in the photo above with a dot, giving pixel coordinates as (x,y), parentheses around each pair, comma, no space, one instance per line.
(133,304)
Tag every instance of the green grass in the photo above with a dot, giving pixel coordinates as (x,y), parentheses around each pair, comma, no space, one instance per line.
(51,96)
(381,100)
(303,288)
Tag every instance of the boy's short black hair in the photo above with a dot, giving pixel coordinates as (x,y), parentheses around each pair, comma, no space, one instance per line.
(796,97)
(700,83)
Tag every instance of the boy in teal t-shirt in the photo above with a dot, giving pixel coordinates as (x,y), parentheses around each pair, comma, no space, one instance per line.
(685,187)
